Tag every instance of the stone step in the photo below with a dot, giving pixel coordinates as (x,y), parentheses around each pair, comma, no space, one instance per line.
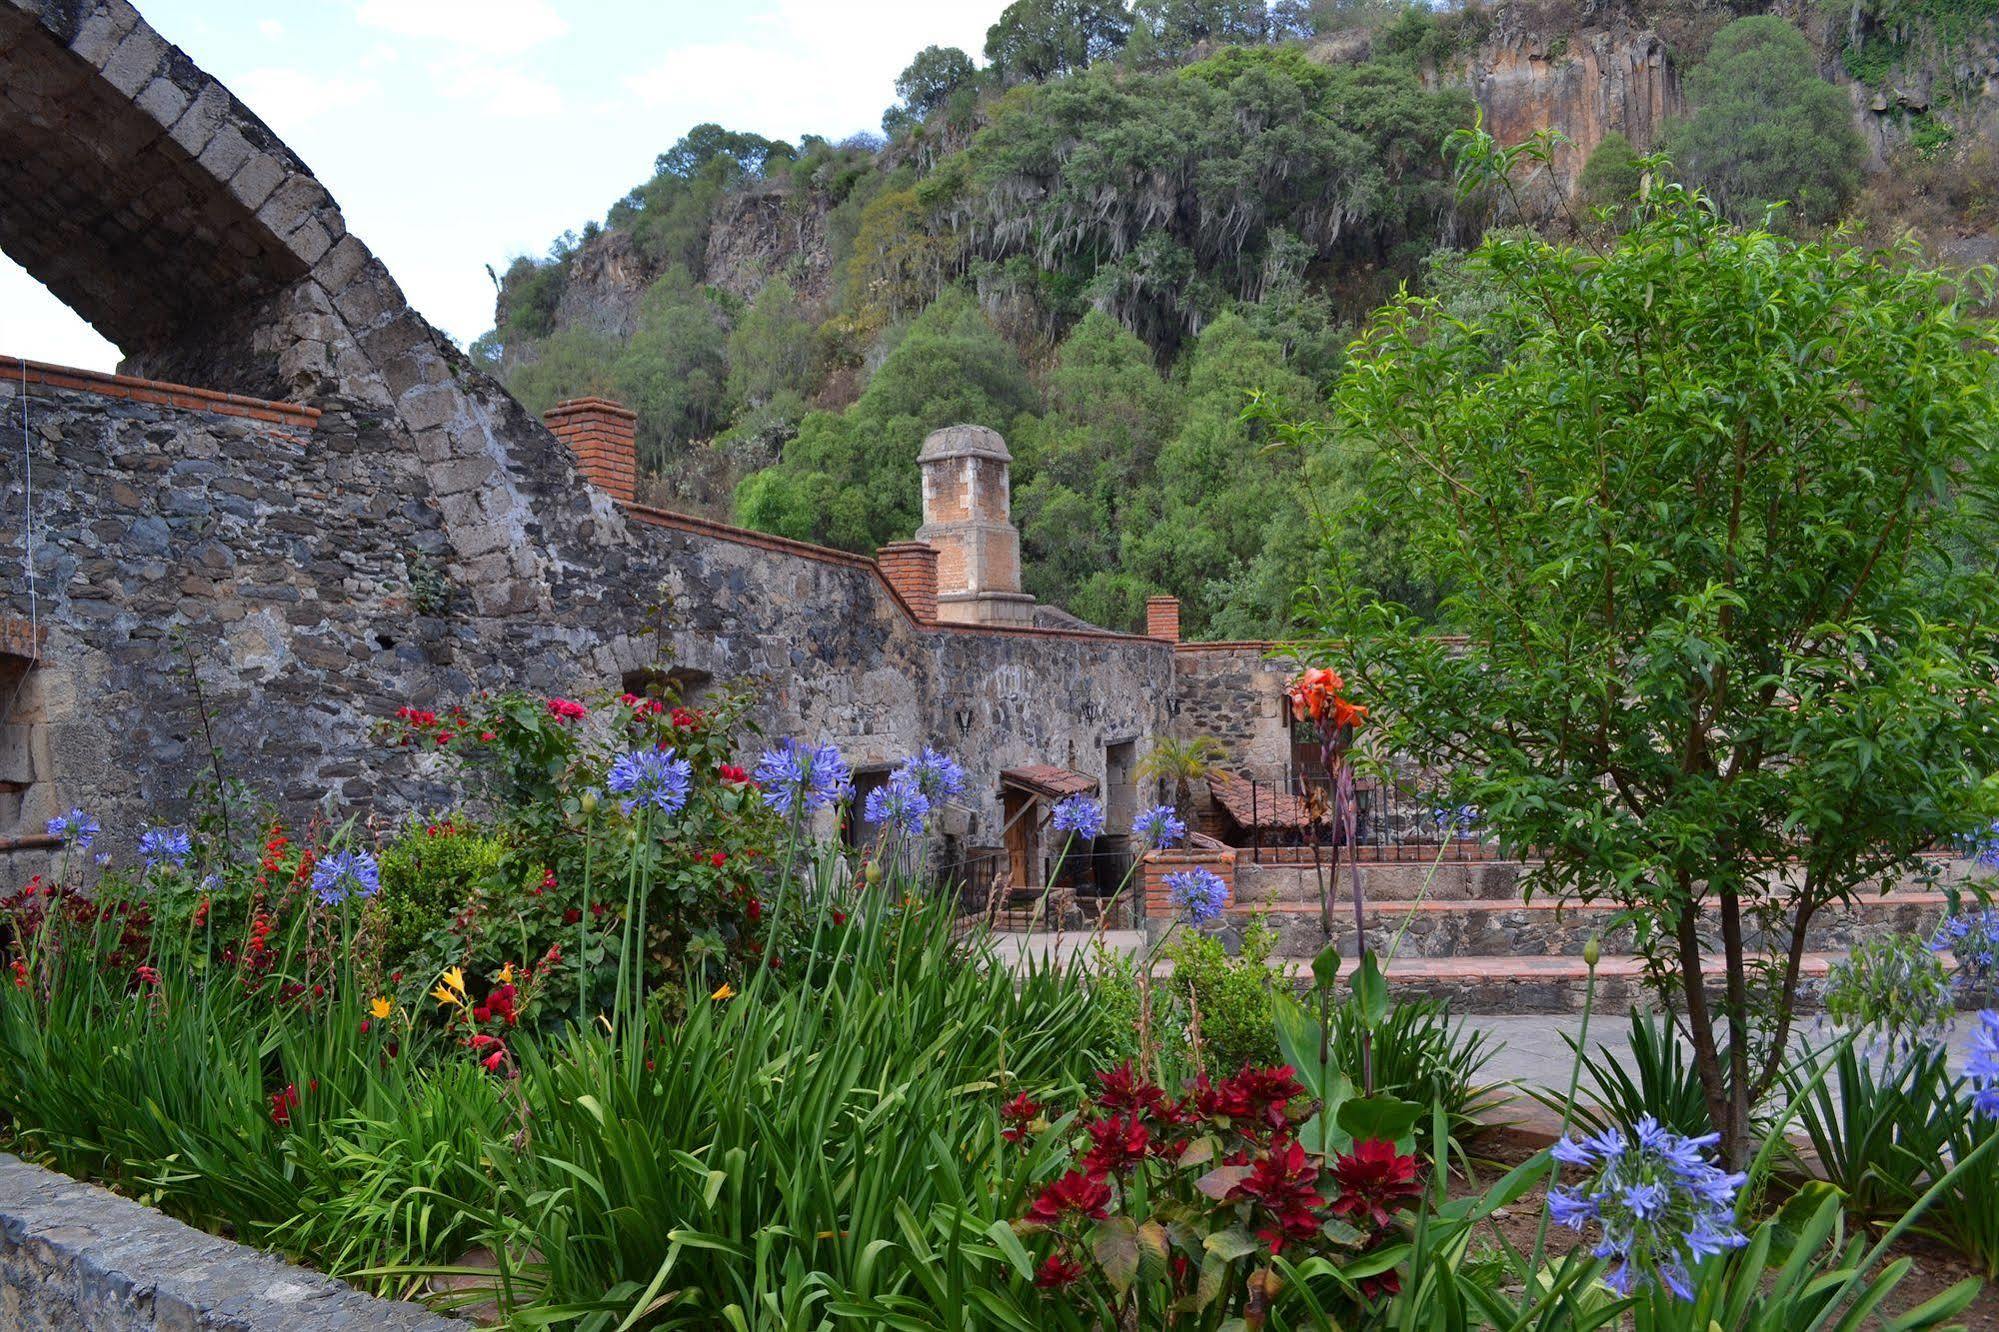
(1385,881)
(1544,984)
(1480,928)
(1426,879)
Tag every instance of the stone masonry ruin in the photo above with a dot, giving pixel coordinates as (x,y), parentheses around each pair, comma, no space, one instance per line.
(345,517)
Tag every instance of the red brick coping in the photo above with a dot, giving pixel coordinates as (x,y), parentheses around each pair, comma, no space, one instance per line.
(155,391)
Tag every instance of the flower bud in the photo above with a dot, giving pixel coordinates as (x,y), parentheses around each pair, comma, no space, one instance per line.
(590,801)
(1593,952)
(874,873)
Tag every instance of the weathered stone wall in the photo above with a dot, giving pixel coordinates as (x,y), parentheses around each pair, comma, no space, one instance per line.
(75,1258)
(298,571)
(1234,693)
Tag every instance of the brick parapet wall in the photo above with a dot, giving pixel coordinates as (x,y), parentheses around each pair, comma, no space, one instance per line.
(910,568)
(1154,866)
(38,374)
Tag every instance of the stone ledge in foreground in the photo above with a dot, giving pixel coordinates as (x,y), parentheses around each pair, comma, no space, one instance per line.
(78,1258)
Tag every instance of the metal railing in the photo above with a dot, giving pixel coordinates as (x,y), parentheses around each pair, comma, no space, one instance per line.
(1396,820)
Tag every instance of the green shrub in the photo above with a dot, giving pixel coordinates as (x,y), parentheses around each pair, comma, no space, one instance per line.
(430,870)
(1893,992)
(1226,999)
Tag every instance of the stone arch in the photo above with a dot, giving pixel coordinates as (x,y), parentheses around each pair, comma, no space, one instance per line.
(144,194)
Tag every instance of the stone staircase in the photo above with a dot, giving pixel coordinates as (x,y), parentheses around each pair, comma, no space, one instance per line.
(1459,930)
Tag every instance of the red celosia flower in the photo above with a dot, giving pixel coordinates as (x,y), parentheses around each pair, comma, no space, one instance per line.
(566,710)
(1283,1183)
(755,910)
(719,859)
(1018,1114)
(571,916)
(729,772)
(1124,1089)
(1116,1145)
(1074,1194)
(1374,1180)
(1057,1271)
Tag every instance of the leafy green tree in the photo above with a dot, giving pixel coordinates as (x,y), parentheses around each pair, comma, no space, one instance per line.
(570,363)
(850,479)
(1222,486)
(1766,128)
(1610,177)
(929,80)
(1035,40)
(1696,524)
(770,350)
(1176,27)
(673,372)
(1083,472)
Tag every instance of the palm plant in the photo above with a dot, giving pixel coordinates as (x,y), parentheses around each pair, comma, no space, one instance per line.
(1182,763)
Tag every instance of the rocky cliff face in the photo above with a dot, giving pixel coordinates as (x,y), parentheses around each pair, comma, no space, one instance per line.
(1582,85)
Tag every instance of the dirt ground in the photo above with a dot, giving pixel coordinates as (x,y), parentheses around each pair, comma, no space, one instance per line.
(1934,1269)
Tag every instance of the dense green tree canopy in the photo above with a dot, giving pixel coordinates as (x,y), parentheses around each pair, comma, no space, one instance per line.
(850,479)
(1766,128)
(1157,195)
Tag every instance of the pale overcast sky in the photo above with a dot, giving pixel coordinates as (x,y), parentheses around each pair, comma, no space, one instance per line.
(457,133)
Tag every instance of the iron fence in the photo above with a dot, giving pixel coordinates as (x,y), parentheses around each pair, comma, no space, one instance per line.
(1395,820)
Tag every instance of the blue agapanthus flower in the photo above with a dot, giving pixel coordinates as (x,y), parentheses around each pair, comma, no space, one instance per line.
(165,846)
(899,804)
(1972,940)
(1660,1204)
(1080,815)
(936,775)
(655,777)
(802,777)
(1982,1064)
(1157,827)
(339,876)
(1198,892)
(76,828)
(1983,847)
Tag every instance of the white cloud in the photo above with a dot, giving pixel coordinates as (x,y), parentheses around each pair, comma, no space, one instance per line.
(494,27)
(271,28)
(287,98)
(500,89)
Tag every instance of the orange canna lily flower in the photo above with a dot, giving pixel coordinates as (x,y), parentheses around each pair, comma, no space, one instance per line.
(1348,714)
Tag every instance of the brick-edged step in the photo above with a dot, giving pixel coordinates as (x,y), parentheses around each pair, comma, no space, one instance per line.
(1546,984)
(1483,928)
(1382,881)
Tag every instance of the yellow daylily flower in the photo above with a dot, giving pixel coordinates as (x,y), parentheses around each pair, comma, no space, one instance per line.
(727,991)
(444,996)
(381,1008)
(506,976)
(455,978)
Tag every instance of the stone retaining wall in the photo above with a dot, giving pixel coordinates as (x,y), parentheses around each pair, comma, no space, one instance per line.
(76,1258)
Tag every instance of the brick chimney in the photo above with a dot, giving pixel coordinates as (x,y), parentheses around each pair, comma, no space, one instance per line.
(967,516)
(604,436)
(911,569)
(1162,618)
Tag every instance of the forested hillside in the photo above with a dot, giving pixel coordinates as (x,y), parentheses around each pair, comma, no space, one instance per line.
(1125,221)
